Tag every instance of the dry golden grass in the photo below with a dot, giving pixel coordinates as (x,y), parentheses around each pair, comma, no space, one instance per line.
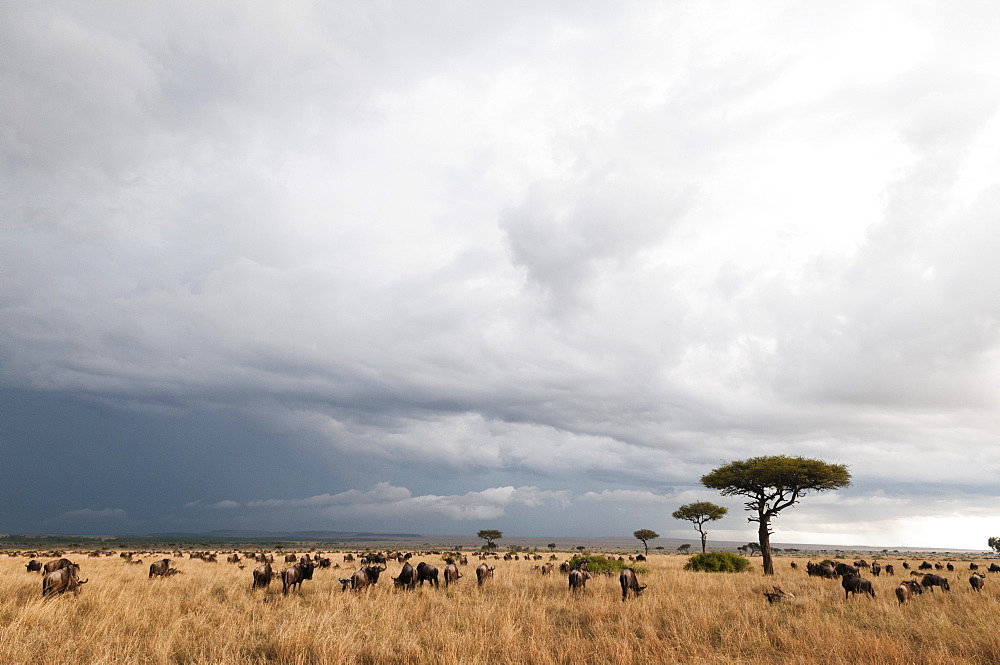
(209,615)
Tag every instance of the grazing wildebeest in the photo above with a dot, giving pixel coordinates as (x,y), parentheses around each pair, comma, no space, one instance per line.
(994,568)
(291,557)
(368,576)
(876,568)
(930,581)
(907,590)
(33,566)
(906,565)
(821,570)
(578,579)
(293,576)
(262,576)
(977,580)
(427,573)
(889,570)
(159,568)
(950,566)
(407,577)
(483,573)
(843,569)
(926,565)
(855,584)
(56,564)
(451,574)
(629,581)
(564,567)
(547,568)
(233,558)
(794,566)
(860,563)
(348,557)
(973,566)
(640,557)
(61,580)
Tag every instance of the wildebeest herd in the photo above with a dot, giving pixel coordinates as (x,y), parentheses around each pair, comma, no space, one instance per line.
(853,583)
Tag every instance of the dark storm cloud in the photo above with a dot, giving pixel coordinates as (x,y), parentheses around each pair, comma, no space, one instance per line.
(394,265)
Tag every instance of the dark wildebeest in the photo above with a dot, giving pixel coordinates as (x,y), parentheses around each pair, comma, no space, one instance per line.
(291,557)
(977,580)
(930,581)
(950,566)
(564,567)
(367,576)
(926,565)
(907,590)
(906,565)
(451,574)
(629,581)
(33,565)
(994,568)
(844,570)
(483,573)
(823,570)
(855,584)
(407,577)
(262,576)
(578,579)
(973,566)
(56,564)
(860,563)
(427,573)
(876,568)
(233,558)
(794,565)
(62,580)
(159,568)
(889,570)
(293,576)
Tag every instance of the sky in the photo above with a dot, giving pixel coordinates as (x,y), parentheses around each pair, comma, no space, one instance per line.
(434,267)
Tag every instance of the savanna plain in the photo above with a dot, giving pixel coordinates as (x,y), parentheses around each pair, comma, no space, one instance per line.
(208,614)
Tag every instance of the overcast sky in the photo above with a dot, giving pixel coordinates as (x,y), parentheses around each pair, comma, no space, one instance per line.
(535,266)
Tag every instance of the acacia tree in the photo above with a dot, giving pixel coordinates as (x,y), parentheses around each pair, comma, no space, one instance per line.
(994,544)
(489,535)
(698,513)
(773,483)
(646,535)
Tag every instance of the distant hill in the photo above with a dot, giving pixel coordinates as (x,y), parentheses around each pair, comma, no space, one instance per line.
(307,536)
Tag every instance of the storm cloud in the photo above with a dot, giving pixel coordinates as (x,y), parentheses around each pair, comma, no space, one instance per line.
(535,267)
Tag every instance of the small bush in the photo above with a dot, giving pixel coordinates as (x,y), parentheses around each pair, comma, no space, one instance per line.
(717,562)
(599,564)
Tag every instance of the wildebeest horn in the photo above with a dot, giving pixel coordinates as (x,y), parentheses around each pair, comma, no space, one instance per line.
(84,581)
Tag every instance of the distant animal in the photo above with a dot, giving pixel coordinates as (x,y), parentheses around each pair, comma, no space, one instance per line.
(547,568)
(906,565)
(843,569)
(62,580)
(820,570)
(578,579)
(640,557)
(365,577)
(159,568)
(291,557)
(976,581)
(930,581)
(451,575)
(293,576)
(233,558)
(973,566)
(56,564)
(949,566)
(994,568)
(262,576)
(33,566)
(776,594)
(407,577)
(876,568)
(855,584)
(861,563)
(427,573)
(925,566)
(483,573)
(794,565)
(629,582)
(907,590)
(564,567)
(889,570)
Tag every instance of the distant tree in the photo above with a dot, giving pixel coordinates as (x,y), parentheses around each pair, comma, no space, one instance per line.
(552,546)
(753,548)
(994,544)
(580,547)
(773,483)
(698,513)
(659,547)
(683,549)
(645,535)
(489,535)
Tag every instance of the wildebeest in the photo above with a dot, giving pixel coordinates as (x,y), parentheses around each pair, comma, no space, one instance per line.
(547,568)
(926,565)
(62,580)
(629,581)
(262,576)
(233,558)
(427,573)
(930,581)
(578,579)
(950,566)
(844,569)
(33,566)
(159,568)
(407,577)
(56,564)
(368,575)
(994,568)
(451,574)
(483,573)
(293,576)
(820,570)
(907,590)
(889,570)
(855,584)
(776,594)
(973,566)
(906,565)
(876,568)
(861,563)
(977,580)
(795,566)
(564,567)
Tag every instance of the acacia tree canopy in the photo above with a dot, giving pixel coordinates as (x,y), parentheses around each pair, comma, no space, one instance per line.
(698,513)
(773,483)
(646,535)
(489,535)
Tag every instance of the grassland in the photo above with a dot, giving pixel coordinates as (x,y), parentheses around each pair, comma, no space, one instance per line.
(208,614)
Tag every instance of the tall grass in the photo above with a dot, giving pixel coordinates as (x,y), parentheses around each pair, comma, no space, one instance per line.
(208,614)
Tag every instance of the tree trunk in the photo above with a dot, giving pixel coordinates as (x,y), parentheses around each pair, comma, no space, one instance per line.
(704,537)
(764,537)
